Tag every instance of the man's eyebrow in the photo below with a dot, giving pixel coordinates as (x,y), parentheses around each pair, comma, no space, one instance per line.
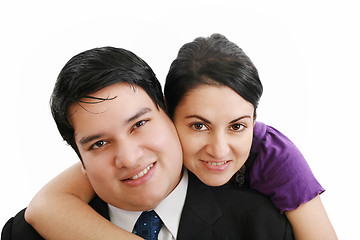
(88,139)
(83,141)
(199,117)
(138,114)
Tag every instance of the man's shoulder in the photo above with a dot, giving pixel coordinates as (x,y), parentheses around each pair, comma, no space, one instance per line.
(228,192)
(17,228)
(244,198)
(239,200)
(232,211)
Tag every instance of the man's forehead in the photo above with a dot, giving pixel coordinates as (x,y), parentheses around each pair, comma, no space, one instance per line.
(120,91)
(124,96)
(114,90)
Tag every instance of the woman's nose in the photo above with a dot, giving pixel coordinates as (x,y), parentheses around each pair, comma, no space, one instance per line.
(218,146)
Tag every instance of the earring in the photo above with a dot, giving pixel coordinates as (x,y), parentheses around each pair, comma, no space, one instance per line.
(240,176)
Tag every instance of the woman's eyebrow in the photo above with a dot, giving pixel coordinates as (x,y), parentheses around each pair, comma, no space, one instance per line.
(199,117)
(239,118)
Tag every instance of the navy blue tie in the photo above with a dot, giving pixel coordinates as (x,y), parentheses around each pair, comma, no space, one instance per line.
(148,225)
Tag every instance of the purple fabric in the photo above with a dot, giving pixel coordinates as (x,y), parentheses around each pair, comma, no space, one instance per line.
(280,171)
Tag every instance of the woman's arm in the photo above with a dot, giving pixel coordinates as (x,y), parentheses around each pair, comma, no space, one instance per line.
(60,210)
(310,221)
(281,172)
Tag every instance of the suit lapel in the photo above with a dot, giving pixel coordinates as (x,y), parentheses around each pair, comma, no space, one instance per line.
(200,212)
(101,207)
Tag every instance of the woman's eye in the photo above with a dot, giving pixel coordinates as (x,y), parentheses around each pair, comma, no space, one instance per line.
(237,127)
(198,126)
(98,144)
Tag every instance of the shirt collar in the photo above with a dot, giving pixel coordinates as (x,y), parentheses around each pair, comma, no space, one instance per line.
(171,207)
(169,210)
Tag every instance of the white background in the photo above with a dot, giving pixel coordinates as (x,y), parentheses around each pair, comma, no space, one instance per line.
(307,54)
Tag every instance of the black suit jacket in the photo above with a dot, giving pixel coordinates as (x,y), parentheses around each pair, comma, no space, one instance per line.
(230,212)
(16,228)
(226,212)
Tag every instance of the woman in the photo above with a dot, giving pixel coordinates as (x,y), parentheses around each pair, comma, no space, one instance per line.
(221,143)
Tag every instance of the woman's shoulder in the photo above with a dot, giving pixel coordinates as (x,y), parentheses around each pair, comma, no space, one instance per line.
(279,169)
(273,146)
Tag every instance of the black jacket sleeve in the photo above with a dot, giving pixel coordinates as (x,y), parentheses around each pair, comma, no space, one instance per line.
(16,228)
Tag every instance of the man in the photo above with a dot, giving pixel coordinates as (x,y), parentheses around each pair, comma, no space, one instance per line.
(108,105)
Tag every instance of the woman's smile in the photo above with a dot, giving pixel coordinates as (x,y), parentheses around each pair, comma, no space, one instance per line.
(216,166)
(216,136)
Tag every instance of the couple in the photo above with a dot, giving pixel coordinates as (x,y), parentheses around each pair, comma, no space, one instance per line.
(108,105)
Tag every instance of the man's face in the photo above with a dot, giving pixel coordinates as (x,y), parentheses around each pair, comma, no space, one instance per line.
(130,149)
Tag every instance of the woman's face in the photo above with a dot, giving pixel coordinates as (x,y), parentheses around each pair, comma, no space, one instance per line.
(215,126)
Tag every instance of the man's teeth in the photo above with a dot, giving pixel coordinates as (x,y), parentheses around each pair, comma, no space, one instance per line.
(142,173)
(217,163)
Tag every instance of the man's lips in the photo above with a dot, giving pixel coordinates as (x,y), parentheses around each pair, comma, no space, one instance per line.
(141,173)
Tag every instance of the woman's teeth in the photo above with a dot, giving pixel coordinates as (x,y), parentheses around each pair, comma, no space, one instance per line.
(217,163)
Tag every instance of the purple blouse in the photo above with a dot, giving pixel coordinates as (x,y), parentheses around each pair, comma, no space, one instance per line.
(280,171)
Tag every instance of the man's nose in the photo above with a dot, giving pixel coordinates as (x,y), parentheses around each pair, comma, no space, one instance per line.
(218,146)
(127,154)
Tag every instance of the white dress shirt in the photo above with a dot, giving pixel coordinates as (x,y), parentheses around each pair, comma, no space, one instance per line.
(169,210)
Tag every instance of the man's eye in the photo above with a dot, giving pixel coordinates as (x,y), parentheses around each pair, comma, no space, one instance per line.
(237,127)
(98,144)
(198,126)
(140,123)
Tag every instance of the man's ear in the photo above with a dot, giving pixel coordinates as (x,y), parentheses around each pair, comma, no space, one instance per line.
(165,102)
(83,169)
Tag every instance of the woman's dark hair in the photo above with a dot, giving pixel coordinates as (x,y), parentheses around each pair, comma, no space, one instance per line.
(93,70)
(211,61)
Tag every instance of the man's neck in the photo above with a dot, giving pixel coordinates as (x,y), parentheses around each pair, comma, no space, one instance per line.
(169,210)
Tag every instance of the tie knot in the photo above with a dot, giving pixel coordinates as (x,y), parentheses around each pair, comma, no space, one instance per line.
(148,225)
